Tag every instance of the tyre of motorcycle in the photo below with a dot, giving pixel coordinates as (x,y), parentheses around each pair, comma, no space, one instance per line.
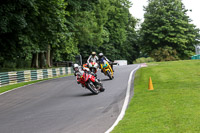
(92,87)
(99,85)
(93,70)
(94,74)
(109,74)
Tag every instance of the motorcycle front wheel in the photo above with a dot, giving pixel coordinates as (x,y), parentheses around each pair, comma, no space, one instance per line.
(92,70)
(92,88)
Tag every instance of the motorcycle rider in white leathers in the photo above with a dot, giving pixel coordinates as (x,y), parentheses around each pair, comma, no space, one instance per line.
(92,58)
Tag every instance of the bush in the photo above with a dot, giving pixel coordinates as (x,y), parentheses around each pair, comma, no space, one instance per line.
(144,60)
(165,54)
(9,64)
(21,63)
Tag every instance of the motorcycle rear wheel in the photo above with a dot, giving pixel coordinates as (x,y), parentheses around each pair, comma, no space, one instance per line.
(109,74)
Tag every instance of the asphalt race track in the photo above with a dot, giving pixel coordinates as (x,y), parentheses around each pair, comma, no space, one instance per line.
(62,106)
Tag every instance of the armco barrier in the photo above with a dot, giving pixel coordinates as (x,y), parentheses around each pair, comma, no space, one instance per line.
(7,78)
(195,57)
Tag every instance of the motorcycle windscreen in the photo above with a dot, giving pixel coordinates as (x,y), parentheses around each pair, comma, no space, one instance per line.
(105,64)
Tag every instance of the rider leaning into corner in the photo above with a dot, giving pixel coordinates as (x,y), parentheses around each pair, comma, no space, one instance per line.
(78,70)
(102,57)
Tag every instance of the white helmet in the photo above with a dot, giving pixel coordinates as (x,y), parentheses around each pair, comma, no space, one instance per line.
(100,54)
(76,67)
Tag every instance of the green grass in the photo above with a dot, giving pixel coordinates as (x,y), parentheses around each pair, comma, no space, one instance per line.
(10,87)
(174,104)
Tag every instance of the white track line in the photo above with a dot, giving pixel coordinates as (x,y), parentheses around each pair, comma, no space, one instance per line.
(121,115)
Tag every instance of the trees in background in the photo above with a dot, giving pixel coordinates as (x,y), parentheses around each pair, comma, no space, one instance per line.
(12,23)
(120,28)
(37,32)
(103,26)
(31,31)
(166,32)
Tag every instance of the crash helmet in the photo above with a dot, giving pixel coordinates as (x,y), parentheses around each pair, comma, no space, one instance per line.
(93,53)
(100,55)
(76,67)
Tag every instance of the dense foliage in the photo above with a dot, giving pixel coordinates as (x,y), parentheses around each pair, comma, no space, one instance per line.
(37,32)
(166,32)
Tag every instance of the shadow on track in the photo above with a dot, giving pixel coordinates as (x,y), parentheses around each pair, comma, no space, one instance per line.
(88,94)
(84,95)
(105,79)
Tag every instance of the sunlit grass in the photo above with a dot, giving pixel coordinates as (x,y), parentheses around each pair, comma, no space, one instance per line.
(174,104)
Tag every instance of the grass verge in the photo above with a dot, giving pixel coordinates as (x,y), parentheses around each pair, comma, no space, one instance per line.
(174,104)
(10,87)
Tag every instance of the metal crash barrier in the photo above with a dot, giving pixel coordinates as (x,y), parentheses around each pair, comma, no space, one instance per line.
(195,57)
(7,78)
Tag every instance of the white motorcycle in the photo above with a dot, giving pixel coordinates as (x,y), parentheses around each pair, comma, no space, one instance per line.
(93,66)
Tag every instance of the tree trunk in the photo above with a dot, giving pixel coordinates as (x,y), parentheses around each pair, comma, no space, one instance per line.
(41,60)
(33,60)
(51,57)
(48,62)
(34,63)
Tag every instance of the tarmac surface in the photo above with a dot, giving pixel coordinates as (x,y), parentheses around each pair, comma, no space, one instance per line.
(63,106)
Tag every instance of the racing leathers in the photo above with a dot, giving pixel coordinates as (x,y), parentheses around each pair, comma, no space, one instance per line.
(92,59)
(105,58)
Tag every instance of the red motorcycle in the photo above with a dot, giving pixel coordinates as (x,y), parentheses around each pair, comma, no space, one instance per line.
(89,81)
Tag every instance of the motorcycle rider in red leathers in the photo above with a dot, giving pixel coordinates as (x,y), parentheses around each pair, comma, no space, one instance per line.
(79,70)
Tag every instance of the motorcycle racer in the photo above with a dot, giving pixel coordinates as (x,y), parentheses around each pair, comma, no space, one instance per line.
(79,72)
(92,58)
(102,57)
